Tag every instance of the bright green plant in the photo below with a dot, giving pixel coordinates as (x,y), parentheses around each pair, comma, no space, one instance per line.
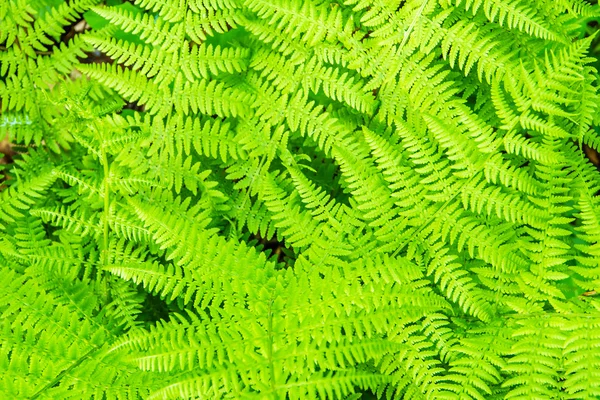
(299,199)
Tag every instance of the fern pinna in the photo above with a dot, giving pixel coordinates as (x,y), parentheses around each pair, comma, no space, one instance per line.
(419,165)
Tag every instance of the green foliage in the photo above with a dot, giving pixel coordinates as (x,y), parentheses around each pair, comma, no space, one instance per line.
(299,199)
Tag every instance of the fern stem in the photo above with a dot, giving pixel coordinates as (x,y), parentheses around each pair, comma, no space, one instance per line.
(106,206)
(105,258)
(270,350)
(63,373)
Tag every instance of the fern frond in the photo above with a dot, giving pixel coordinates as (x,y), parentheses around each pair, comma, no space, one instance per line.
(155,31)
(80,221)
(203,23)
(299,199)
(17,200)
(308,21)
(205,59)
(513,14)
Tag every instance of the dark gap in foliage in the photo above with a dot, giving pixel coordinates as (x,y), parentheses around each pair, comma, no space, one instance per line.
(6,158)
(365,395)
(77,26)
(273,248)
(134,106)
(95,56)
(323,171)
(155,308)
(592,155)
(592,26)
(400,5)
(367,35)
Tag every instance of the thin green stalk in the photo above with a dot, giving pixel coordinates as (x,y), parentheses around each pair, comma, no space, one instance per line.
(106,205)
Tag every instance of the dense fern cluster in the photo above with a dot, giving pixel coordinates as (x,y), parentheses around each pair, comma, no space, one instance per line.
(417,163)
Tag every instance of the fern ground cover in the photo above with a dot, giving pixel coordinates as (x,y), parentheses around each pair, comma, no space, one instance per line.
(299,199)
